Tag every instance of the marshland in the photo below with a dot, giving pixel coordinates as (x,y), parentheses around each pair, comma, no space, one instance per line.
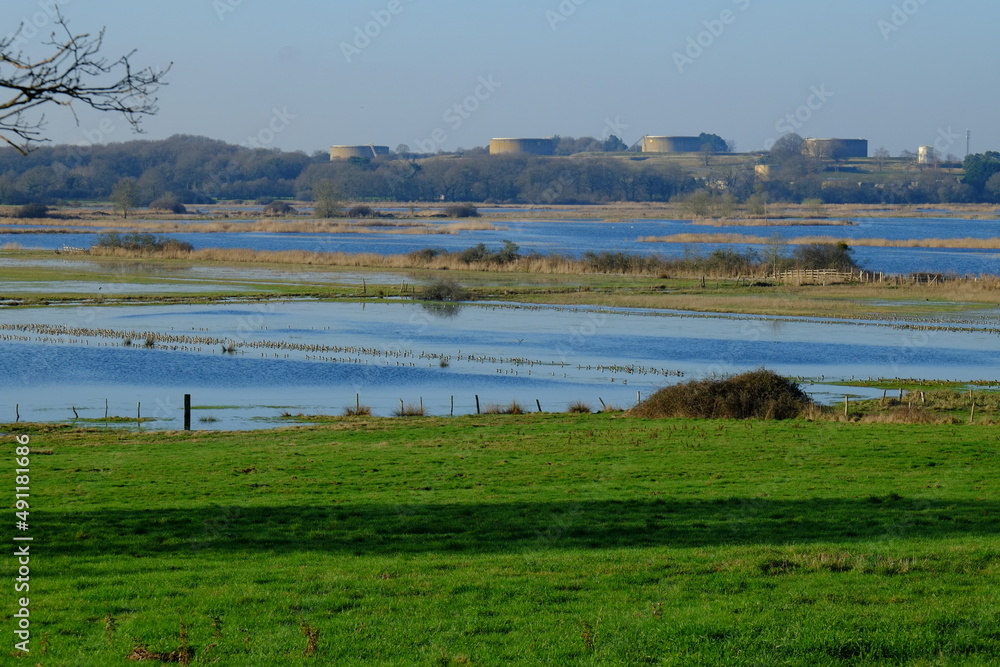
(463,476)
(325,327)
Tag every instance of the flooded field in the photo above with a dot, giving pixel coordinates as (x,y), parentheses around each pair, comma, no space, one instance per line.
(317,358)
(574,237)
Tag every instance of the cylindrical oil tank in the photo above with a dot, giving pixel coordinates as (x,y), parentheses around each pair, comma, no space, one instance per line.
(522,147)
(926,155)
(345,152)
(836,148)
(672,144)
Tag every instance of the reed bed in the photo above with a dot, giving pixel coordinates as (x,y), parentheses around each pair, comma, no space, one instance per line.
(962,243)
(272,226)
(952,287)
(774,222)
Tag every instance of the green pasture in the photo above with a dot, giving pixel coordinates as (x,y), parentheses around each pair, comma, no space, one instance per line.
(500,540)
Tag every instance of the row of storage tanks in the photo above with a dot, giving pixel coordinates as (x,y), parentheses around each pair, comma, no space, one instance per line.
(841,148)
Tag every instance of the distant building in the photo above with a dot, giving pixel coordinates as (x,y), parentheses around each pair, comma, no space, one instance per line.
(672,144)
(838,149)
(345,152)
(522,147)
(926,155)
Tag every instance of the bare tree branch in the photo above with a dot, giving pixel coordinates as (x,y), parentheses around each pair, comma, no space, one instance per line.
(73,71)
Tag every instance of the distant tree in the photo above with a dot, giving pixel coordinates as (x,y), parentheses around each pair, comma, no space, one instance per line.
(403,150)
(992,187)
(757,204)
(786,147)
(837,256)
(980,168)
(707,152)
(698,204)
(774,254)
(125,195)
(72,71)
(717,143)
(614,145)
(881,157)
(327,198)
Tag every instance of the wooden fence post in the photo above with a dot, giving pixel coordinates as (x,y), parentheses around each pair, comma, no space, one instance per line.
(187,412)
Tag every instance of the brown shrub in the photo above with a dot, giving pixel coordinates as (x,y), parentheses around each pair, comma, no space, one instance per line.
(760,394)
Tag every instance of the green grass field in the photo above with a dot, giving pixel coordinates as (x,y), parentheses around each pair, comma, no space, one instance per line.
(499,540)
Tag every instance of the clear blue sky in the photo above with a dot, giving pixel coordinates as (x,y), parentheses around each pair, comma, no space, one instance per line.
(900,73)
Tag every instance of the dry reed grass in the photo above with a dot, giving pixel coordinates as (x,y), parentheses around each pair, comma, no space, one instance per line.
(278,226)
(512,408)
(773,222)
(963,243)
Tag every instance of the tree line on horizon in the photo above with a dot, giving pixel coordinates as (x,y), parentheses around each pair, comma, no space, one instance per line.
(198,170)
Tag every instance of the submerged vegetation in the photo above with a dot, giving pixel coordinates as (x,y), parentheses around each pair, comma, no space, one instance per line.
(722,262)
(141,243)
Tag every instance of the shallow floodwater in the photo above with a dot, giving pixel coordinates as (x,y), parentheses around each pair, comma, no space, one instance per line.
(574,237)
(315,358)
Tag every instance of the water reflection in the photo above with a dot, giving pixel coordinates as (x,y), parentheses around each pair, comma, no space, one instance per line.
(314,357)
(443,309)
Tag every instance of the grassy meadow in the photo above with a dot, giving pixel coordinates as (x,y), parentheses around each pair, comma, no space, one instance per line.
(532,539)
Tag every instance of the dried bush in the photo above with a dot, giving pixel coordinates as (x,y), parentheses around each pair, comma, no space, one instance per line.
(276,208)
(362,211)
(31,211)
(760,394)
(512,408)
(461,211)
(168,203)
(444,289)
